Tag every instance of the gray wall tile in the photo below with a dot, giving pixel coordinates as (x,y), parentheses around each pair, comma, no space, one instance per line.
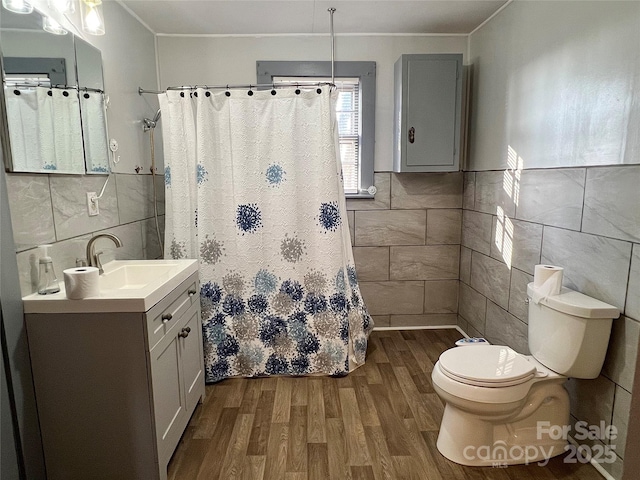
(426,190)
(465,265)
(31,212)
(434,320)
(593,265)
(372,263)
(502,328)
(469,191)
(491,278)
(612,202)
(518,294)
(135,197)
(63,254)
(150,245)
(69,198)
(463,324)
(473,307)
(441,296)
(389,227)
(380,320)
(516,243)
(621,409)
(476,231)
(382,199)
(552,197)
(620,362)
(385,298)
(592,400)
(632,308)
(444,226)
(429,262)
(494,193)
(131,237)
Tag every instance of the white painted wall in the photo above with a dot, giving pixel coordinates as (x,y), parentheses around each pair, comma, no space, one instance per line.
(232,60)
(558,83)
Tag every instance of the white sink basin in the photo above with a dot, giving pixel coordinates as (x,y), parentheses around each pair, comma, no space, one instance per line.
(125,286)
(133,276)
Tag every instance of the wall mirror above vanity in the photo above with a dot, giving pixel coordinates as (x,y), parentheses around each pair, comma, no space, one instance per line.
(52,103)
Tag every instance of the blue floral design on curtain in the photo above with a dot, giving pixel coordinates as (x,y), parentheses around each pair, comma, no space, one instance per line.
(279,292)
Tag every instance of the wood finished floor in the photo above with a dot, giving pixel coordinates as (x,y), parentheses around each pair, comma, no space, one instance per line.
(379,422)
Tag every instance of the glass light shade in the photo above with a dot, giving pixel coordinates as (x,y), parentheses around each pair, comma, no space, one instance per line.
(51,26)
(92,17)
(63,6)
(18,6)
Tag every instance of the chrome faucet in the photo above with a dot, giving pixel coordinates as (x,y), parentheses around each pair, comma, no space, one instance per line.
(93,257)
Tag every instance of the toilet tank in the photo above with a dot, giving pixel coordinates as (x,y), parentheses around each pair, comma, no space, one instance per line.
(569,333)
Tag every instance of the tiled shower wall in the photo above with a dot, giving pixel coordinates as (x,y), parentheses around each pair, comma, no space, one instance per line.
(52,209)
(406,244)
(586,220)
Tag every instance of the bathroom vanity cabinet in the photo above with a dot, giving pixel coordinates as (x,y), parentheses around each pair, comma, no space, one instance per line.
(427,113)
(115,390)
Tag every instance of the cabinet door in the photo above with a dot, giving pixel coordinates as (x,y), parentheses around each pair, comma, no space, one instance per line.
(192,360)
(431,105)
(168,395)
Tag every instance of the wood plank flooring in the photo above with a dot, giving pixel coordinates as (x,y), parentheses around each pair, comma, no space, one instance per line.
(379,422)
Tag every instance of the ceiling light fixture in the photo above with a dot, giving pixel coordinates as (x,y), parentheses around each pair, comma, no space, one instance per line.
(92,16)
(51,26)
(18,6)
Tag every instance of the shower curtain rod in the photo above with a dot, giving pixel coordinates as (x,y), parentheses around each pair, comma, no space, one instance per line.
(142,91)
(262,86)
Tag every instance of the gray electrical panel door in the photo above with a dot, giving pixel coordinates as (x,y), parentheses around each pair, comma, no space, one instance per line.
(428,101)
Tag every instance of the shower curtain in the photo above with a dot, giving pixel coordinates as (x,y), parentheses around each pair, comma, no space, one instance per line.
(254,191)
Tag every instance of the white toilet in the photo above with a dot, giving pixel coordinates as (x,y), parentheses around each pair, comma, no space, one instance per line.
(505,408)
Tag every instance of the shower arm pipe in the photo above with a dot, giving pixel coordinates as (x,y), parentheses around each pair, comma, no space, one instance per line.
(250,86)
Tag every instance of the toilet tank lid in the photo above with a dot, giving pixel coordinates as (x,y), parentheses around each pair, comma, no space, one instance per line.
(577,304)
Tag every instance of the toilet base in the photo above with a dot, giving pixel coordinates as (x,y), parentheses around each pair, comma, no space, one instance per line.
(476,440)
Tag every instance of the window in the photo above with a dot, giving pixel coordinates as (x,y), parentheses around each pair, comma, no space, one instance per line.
(355,110)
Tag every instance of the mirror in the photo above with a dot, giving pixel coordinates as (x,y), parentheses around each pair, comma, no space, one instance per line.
(52,100)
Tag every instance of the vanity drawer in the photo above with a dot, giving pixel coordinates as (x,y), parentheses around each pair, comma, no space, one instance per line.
(162,318)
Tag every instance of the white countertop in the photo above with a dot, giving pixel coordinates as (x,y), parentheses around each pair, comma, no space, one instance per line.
(117,299)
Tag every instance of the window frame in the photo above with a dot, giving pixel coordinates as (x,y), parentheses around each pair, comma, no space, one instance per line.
(366,73)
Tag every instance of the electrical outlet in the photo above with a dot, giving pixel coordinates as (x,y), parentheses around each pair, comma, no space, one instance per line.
(92,204)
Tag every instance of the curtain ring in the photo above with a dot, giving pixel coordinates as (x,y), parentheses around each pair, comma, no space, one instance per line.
(273,89)
(297,89)
(250,92)
(227,93)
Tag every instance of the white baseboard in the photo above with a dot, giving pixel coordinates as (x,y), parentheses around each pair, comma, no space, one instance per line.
(595,464)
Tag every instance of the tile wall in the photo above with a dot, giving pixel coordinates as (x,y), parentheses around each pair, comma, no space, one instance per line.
(586,220)
(406,244)
(52,209)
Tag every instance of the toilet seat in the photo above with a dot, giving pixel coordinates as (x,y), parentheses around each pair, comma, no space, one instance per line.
(487,366)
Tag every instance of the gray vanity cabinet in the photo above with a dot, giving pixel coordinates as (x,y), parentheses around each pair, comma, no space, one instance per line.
(115,391)
(427,113)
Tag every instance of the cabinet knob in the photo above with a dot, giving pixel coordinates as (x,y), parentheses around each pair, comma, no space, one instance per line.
(166,317)
(412,135)
(191,292)
(187,329)
(184,333)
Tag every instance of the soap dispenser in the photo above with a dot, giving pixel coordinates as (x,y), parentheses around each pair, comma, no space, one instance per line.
(47,280)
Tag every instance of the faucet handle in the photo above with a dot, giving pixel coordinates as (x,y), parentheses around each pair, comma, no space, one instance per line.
(98,262)
(81,262)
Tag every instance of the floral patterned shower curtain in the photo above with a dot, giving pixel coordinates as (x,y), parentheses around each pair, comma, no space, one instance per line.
(254,191)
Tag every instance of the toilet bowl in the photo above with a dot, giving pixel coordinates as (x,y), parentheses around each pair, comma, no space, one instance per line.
(500,405)
(495,398)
